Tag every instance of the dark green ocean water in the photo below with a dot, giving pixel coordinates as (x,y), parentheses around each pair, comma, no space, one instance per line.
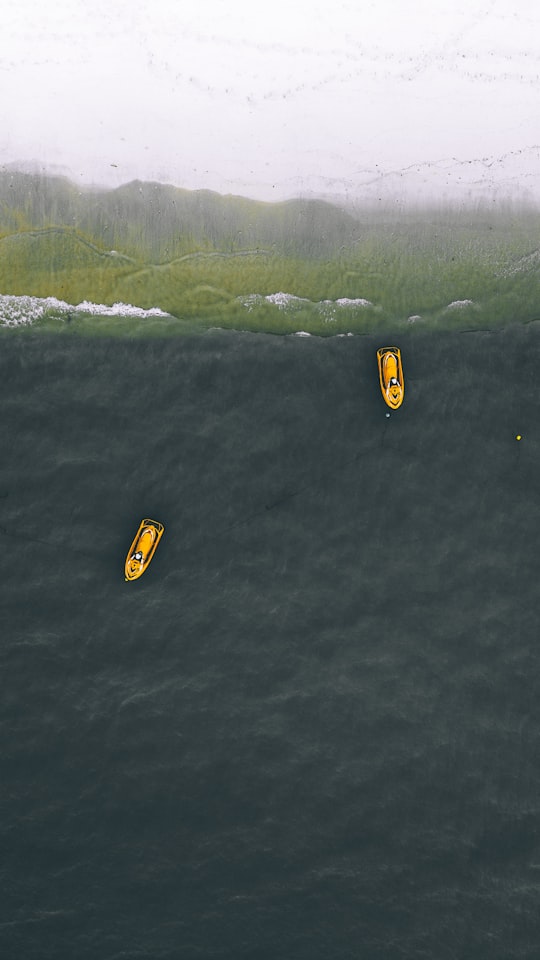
(311,730)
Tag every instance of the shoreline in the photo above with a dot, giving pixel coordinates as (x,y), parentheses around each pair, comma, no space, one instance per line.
(278,314)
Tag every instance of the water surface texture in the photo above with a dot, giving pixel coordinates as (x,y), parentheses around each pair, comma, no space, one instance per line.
(311,729)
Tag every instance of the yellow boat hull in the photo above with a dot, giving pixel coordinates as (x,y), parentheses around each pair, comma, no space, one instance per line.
(391,376)
(143,548)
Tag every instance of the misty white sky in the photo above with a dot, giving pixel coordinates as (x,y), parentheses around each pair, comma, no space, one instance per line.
(356,98)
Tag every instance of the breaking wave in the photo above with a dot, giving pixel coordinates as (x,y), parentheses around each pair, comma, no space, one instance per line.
(25,310)
(332,310)
(288,301)
(18,311)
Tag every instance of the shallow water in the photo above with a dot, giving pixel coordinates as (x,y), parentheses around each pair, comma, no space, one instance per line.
(311,729)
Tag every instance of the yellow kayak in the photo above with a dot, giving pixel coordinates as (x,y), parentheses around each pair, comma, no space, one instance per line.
(391,376)
(143,548)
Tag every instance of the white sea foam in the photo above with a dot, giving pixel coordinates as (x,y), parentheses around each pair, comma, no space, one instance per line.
(118,310)
(17,311)
(458,304)
(529,262)
(288,301)
(355,302)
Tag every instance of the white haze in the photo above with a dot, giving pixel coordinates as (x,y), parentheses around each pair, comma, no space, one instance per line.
(358,100)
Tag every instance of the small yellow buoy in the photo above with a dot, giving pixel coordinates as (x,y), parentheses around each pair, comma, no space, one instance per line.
(518,437)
